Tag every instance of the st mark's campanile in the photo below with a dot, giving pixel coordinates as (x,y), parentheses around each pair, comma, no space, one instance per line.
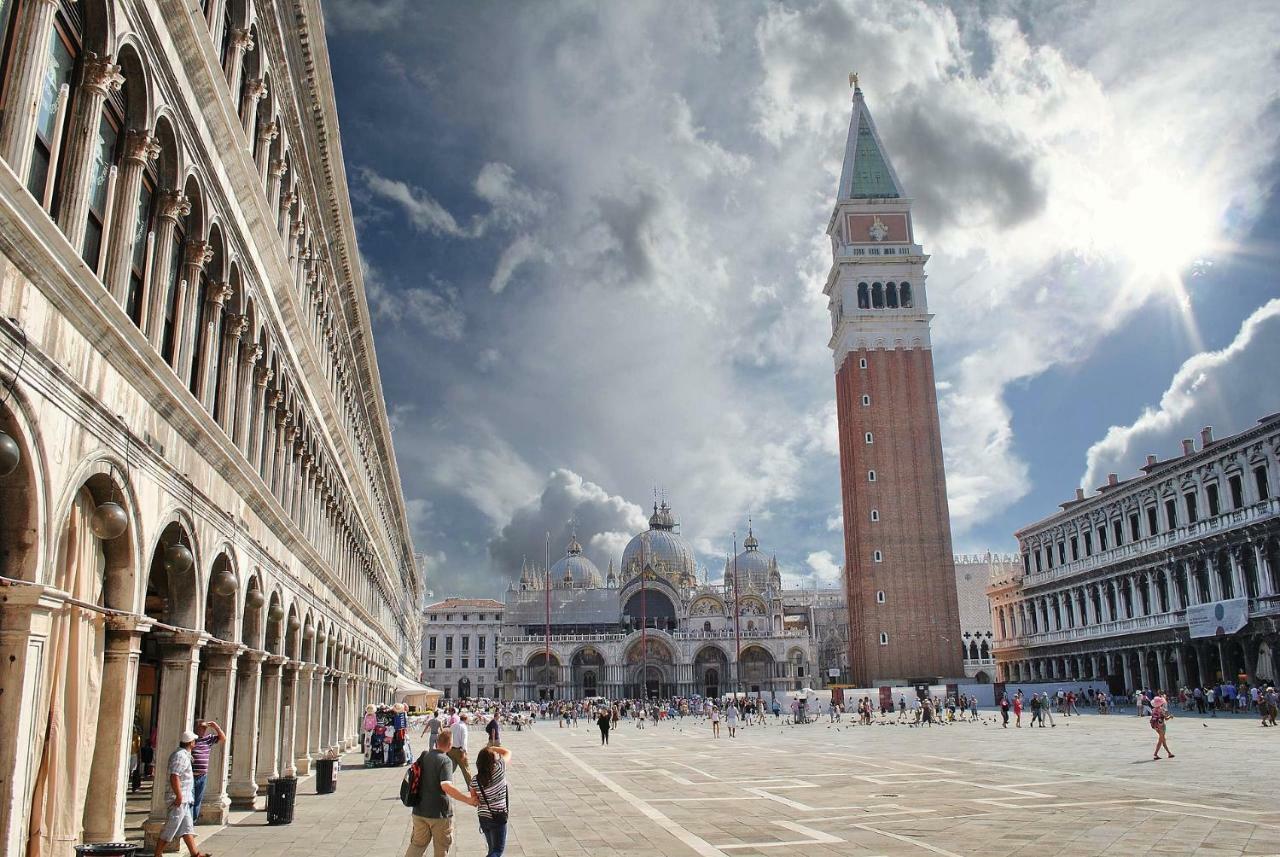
(899,573)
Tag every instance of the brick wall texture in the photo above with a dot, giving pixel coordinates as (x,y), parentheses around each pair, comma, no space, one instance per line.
(913,533)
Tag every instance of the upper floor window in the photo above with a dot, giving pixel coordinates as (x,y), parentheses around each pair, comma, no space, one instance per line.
(1153,523)
(1211,495)
(871,476)
(1117,530)
(862,363)
(875,514)
(1236,486)
(1102,538)
(431,643)
(880,597)
(884,638)
(869,438)
(1171,513)
(53,108)
(904,295)
(1037,554)
(1135,527)
(1062,553)
(864,296)
(877,295)
(1193,512)
(1260,478)
(866,401)
(1075,548)
(877,556)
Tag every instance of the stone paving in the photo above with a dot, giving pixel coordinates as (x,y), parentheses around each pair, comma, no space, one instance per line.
(1086,786)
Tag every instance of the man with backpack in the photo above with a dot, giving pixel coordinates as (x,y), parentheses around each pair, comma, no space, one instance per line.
(427,788)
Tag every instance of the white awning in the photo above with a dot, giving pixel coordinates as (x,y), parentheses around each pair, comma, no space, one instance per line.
(409,690)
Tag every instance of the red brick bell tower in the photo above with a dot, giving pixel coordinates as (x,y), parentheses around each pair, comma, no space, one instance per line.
(899,573)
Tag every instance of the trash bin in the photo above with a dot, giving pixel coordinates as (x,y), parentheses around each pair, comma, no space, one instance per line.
(280,794)
(326,776)
(107,849)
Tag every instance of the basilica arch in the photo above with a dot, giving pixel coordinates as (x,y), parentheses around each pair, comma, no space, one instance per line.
(650,668)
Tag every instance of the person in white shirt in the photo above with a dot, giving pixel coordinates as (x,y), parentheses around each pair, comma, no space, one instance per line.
(458,752)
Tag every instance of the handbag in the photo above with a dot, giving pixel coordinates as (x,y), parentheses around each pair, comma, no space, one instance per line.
(495,817)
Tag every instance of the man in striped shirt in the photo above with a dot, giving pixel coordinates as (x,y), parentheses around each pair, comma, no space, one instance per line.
(208,733)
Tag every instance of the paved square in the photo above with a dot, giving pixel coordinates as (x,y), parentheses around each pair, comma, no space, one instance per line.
(1086,786)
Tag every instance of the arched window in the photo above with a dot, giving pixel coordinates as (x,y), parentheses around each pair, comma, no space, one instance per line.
(53,107)
(875,515)
(973,650)
(984,651)
(891,296)
(884,638)
(864,298)
(877,296)
(706,626)
(904,295)
(880,599)
(106,153)
(877,556)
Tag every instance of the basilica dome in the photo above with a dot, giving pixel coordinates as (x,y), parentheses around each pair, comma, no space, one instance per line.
(661,548)
(754,569)
(574,570)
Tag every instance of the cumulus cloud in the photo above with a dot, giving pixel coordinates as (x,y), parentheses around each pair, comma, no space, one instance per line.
(825,568)
(643,278)
(603,522)
(1210,386)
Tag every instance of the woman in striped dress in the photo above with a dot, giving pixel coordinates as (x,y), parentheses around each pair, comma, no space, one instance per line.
(490,789)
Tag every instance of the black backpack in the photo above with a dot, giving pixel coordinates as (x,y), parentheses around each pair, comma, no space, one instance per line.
(411,785)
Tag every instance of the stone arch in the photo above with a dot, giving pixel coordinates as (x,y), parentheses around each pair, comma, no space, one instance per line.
(656,607)
(138,86)
(99,480)
(273,640)
(293,634)
(253,616)
(308,650)
(174,597)
(23,500)
(756,668)
(711,670)
(221,596)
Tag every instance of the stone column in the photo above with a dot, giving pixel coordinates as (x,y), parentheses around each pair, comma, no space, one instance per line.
(180,663)
(303,738)
(99,77)
(340,712)
(198,254)
(285,220)
(267,434)
(29,61)
(1263,566)
(254,91)
(220,661)
(1162,669)
(267,132)
(207,339)
(26,616)
(1242,590)
(1215,580)
(239,415)
(140,147)
(279,166)
(1127,669)
(171,207)
(288,718)
(241,43)
(249,424)
(244,731)
(1181,664)
(269,722)
(1144,671)
(318,717)
(228,373)
(285,434)
(109,773)
(335,724)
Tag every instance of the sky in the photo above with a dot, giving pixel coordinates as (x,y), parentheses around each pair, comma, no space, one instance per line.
(593,238)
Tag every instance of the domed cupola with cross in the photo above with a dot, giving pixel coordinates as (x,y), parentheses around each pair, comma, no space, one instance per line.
(662,549)
(574,570)
(752,569)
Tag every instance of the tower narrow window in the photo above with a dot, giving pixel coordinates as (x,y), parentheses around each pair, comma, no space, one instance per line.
(891,295)
(862,363)
(866,401)
(877,296)
(904,295)
(880,597)
(877,556)
(875,514)
(884,638)
(869,438)
(864,296)
(871,476)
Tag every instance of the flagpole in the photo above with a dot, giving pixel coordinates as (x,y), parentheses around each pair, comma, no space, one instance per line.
(644,624)
(737,612)
(546,651)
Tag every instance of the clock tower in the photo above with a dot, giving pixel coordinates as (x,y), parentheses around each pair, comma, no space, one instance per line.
(899,574)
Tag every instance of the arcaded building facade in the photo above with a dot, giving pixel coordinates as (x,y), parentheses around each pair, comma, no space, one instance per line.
(899,575)
(200,513)
(1168,579)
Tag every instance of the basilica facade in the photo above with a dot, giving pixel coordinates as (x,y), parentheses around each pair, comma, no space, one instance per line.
(649,628)
(200,510)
